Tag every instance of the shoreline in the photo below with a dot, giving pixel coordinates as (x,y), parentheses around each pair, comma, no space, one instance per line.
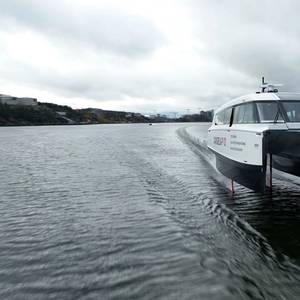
(88,124)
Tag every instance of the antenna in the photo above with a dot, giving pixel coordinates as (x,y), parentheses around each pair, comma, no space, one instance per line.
(269,87)
(262,84)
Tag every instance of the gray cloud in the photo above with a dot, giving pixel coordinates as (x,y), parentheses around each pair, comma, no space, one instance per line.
(253,37)
(104,29)
(106,54)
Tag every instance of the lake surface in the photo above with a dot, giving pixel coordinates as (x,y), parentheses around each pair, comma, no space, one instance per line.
(138,212)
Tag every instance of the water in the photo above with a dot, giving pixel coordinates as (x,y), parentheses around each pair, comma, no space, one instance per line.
(137,212)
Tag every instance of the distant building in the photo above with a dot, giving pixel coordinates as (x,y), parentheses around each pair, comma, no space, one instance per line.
(27,101)
(9,100)
(206,115)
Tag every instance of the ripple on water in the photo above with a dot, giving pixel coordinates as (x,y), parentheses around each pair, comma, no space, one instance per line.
(131,212)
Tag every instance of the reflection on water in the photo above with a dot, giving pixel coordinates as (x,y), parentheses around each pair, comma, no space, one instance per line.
(276,216)
(137,212)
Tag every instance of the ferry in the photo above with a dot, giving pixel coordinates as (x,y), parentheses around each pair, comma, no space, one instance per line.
(254,133)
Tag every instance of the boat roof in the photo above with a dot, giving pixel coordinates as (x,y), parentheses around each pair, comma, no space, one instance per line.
(282,96)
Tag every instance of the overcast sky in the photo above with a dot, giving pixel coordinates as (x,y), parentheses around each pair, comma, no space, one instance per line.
(145,56)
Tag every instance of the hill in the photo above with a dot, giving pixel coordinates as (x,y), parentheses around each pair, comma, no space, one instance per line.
(53,114)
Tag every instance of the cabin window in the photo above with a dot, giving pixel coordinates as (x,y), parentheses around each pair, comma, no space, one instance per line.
(227,115)
(223,117)
(292,109)
(244,113)
(217,119)
(269,112)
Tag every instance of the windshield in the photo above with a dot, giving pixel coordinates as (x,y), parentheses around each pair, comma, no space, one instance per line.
(292,109)
(268,112)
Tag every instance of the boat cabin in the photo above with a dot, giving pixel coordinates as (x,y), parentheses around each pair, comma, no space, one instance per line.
(260,108)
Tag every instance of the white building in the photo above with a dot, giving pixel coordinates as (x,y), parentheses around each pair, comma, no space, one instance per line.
(9,100)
